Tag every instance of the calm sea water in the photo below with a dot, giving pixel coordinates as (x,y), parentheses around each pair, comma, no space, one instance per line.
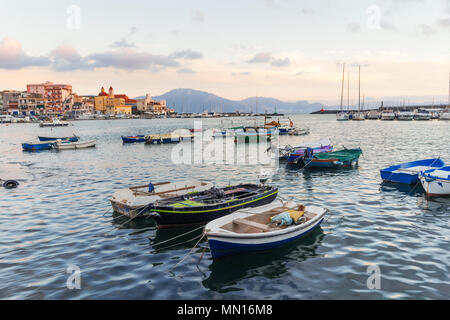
(59,216)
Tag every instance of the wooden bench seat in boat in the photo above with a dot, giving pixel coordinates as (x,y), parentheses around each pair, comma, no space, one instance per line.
(252,224)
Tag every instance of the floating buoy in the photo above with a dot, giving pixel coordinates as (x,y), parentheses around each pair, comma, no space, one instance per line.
(10,184)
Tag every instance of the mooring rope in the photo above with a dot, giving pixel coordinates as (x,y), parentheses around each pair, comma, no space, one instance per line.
(187,253)
(178,243)
(179,236)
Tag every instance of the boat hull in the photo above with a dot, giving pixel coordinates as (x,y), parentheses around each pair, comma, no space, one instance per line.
(294,156)
(337,159)
(133,139)
(221,247)
(38,146)
(71,139)
(436,185)
(169,217)
(75,145)
(406,173)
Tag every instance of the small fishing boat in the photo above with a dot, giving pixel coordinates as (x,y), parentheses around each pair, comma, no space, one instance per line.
(422,114)
(387,115)
(408,172)
(342,116)
(436,182)
(261,228)
(161,139)
(298,132)
(202,207)
(254,134)
(74,138)
(67,145)
(373,115)
(445,115)
(130,201)
(133,139)
(38,146)
(53,123)
(176,136)
(293,153)
(341,158)
(405,116)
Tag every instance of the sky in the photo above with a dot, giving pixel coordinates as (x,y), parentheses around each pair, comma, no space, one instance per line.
(286,49)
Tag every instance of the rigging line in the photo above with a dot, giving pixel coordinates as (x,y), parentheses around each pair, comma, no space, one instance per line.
(178,243)
(129,220)
(192,250)
(183,234)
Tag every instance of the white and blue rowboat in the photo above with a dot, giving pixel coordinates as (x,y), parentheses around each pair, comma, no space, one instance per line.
(249,230)
(436,182)
(408,172)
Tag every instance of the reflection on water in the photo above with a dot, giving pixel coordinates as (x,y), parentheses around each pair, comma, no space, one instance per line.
(60,215)
(268,264)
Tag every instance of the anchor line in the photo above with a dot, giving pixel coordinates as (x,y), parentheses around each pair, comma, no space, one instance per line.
(179,236)
(192,250)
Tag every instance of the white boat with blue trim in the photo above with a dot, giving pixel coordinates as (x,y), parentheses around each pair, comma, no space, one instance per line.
(252,229)
(436,182)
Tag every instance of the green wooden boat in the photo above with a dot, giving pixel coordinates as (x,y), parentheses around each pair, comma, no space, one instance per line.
(340,158)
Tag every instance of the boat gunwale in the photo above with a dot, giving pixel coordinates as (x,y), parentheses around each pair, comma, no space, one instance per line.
(268,234)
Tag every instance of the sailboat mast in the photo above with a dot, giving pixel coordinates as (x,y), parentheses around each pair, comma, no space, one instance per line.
(448,91)
(348,91)
(342,87)
(359,89)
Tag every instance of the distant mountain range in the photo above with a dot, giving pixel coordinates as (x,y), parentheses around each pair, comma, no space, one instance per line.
(194,101)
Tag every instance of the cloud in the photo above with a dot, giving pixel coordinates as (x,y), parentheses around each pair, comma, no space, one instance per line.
(354,27)
(67,58)
(425,30)
(130,59)
(187,54)
(307,11)
(443,22)
(12,56)
(261,57)
(281,62)
(266,57)
(386,25)
(197,16)
(123,44)
(185,71)
(245,73)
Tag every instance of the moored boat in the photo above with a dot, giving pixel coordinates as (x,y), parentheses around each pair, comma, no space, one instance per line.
(202,207)
(73,138)
(38,146)
(254,134)
(133,139)
(249,230)
(422,115)
(53,123)
(408,173)
(387,115)
(130,201)
(298,151)
(335,159)
(67,145)
(405,116)
(436,182)
(445,115)
(373,115)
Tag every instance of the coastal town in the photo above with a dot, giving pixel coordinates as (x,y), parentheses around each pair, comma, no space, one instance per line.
(48,100)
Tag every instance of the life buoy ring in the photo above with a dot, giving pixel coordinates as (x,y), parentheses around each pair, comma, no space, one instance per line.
(10,184)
